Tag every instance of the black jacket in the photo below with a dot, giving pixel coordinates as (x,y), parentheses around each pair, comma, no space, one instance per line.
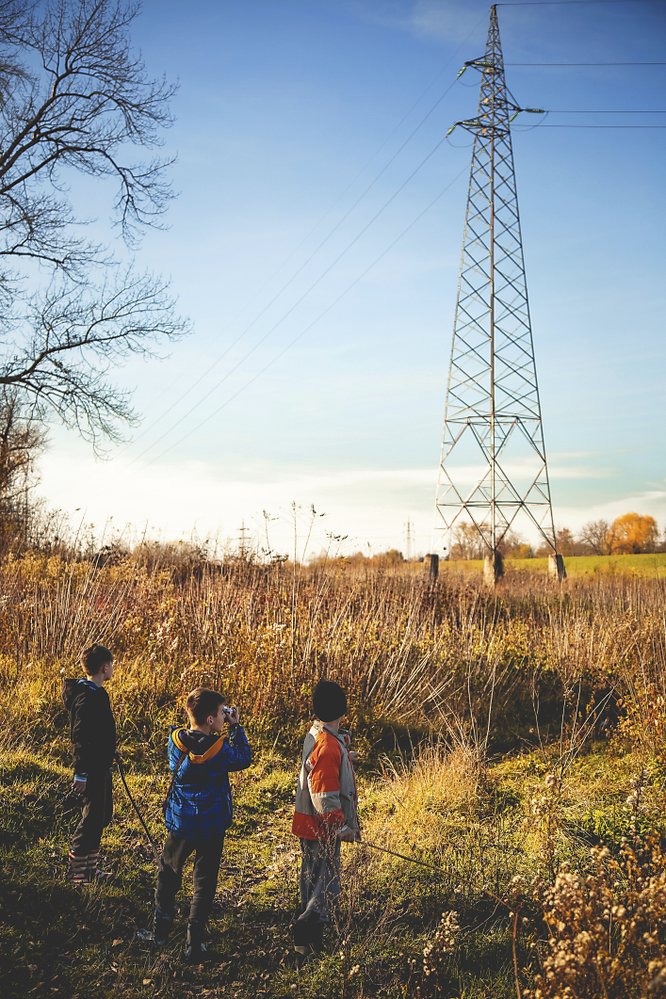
(92,727)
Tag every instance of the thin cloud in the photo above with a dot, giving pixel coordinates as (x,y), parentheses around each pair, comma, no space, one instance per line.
(369,505)
(450,21)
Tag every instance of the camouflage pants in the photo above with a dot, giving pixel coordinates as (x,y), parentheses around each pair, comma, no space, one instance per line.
(319,888)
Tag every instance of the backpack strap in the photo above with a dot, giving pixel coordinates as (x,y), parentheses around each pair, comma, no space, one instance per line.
(165,803)
(195,758)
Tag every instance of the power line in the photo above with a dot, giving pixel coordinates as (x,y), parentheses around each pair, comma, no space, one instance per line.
(307,260)
(555,125)
(585,63)
(605,111)
(328,236)
(566,3)
(298,301)
(314,322)
(266,284)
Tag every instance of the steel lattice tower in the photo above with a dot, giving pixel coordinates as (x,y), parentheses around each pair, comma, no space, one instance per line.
(493,469)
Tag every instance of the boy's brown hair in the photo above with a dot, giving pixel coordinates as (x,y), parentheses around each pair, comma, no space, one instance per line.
(94,658)
(203,702)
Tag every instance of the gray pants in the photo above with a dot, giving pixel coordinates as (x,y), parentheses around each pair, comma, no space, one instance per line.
(320,884)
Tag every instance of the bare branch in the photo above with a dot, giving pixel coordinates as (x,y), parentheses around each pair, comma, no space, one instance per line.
(75,99)
(78,337)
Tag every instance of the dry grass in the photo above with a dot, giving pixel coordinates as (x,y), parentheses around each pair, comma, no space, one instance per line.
(503,734)
(526,662)
(607,928)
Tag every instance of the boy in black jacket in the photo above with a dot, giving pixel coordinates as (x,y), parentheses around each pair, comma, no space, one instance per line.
(93,732)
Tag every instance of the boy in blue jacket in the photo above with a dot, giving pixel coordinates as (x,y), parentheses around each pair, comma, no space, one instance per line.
(198,811)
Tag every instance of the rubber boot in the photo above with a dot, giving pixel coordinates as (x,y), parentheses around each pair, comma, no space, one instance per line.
(195,948)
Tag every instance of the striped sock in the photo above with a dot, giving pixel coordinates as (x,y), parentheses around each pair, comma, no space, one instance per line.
(77,868)
(93,864)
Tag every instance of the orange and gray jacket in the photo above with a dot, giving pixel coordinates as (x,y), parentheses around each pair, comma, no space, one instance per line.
(326,796)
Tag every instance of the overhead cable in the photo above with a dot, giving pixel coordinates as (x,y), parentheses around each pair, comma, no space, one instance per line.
(314,322)
(585,63)
(321,244)
(305,263)
(291,309)
(555,125)
(566,3)
(605,111)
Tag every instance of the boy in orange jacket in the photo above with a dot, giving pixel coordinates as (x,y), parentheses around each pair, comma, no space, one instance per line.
(326,814)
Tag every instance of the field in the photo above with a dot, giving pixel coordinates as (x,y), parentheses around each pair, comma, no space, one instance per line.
(513,742)
(652,566)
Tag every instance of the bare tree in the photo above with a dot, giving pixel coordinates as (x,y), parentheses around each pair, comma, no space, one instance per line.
(470,541)
(22,437)
(565,542)
(597,537)
(467,542)
(75,100)
(513,545)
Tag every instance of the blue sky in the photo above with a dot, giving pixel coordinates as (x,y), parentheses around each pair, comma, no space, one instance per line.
(285,115)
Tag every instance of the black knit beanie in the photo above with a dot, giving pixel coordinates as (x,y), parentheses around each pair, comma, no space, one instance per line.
(329,701)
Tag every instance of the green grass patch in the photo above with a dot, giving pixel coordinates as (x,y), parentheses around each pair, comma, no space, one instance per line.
(651,566)
(479,829)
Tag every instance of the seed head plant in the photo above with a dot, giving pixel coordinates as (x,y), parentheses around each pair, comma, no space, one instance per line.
(607,929)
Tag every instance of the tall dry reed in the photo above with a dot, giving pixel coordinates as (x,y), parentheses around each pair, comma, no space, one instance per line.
(530,661)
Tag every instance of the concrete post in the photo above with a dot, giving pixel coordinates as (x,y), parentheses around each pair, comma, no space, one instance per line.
(493,568)
(431,567)
(556,568)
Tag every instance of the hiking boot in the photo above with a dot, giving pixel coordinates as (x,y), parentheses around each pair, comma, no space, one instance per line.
(159,932)
(195,948)
(308,934)
(301,955)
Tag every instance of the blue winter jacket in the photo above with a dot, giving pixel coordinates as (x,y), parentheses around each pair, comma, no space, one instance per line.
(199,805)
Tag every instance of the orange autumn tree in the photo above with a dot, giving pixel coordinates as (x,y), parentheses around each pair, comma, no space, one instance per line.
(633,533)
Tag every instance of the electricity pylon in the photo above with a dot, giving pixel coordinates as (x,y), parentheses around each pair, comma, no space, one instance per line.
(493,469)
(408,540)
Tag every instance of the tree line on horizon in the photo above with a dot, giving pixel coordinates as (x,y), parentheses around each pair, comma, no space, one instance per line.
(629,534)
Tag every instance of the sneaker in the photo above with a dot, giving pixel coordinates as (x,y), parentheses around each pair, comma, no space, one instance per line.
(159,932)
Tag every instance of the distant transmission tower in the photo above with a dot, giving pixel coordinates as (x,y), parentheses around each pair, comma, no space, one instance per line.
(243,544)
(493,470)
(409,540)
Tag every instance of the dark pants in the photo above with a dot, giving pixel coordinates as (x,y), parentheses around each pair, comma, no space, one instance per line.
(96,814)
(208,853)
(319,888)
